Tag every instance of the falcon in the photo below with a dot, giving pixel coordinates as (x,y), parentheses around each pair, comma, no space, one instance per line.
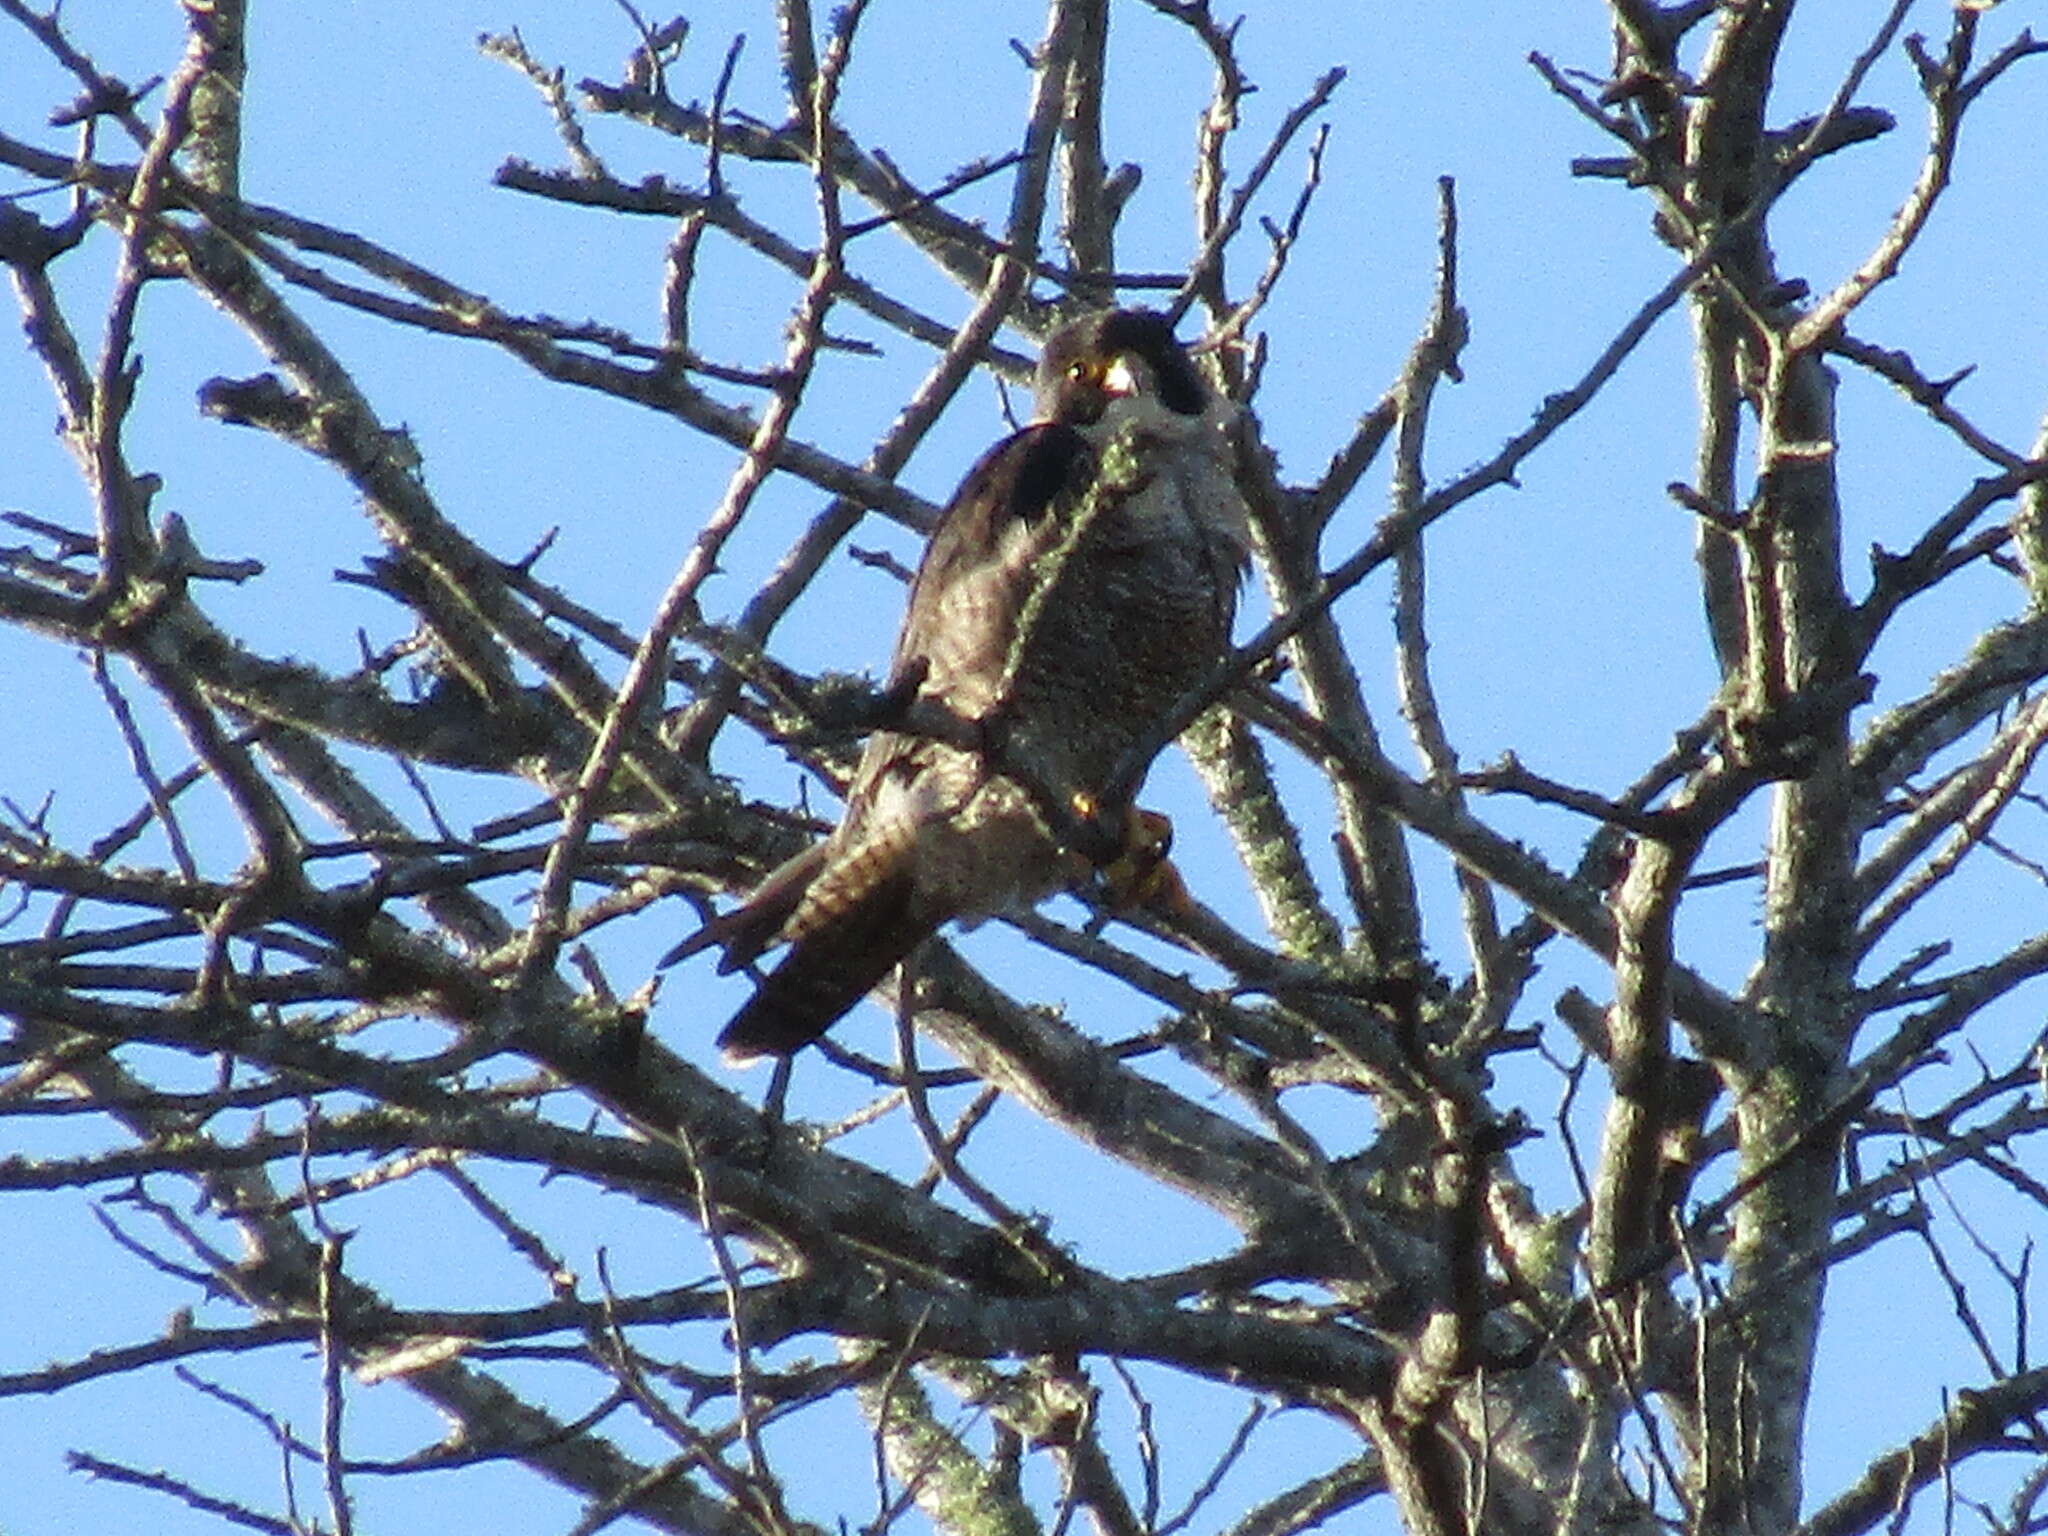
(1082,579)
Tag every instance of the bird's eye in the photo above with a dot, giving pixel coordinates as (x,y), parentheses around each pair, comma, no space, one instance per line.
(1078,370)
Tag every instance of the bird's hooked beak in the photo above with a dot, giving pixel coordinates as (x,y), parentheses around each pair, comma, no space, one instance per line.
(1117,379)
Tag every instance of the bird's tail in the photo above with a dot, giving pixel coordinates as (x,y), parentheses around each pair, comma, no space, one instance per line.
(757,923)
(826,971)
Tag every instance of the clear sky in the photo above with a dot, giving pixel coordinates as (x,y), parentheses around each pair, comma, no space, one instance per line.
(1565,615)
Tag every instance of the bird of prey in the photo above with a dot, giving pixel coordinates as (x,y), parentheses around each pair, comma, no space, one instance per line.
(1082,579)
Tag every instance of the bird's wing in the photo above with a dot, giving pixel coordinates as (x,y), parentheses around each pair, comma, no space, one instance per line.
(757,923)
(973,581)
(854,910)
(978,571)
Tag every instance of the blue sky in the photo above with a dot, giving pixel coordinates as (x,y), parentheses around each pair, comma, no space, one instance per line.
(1564,612)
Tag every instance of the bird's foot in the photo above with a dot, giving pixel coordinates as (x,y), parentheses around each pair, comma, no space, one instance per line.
(1140,872)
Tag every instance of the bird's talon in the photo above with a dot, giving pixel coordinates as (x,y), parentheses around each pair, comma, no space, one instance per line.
(1141,874)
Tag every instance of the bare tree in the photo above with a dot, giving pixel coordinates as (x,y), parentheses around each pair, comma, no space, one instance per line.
(1502,1324)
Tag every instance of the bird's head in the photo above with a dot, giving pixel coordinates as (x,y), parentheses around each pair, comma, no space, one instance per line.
(1119,365)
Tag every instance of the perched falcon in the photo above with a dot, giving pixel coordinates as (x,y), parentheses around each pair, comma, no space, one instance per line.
(1082,579)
